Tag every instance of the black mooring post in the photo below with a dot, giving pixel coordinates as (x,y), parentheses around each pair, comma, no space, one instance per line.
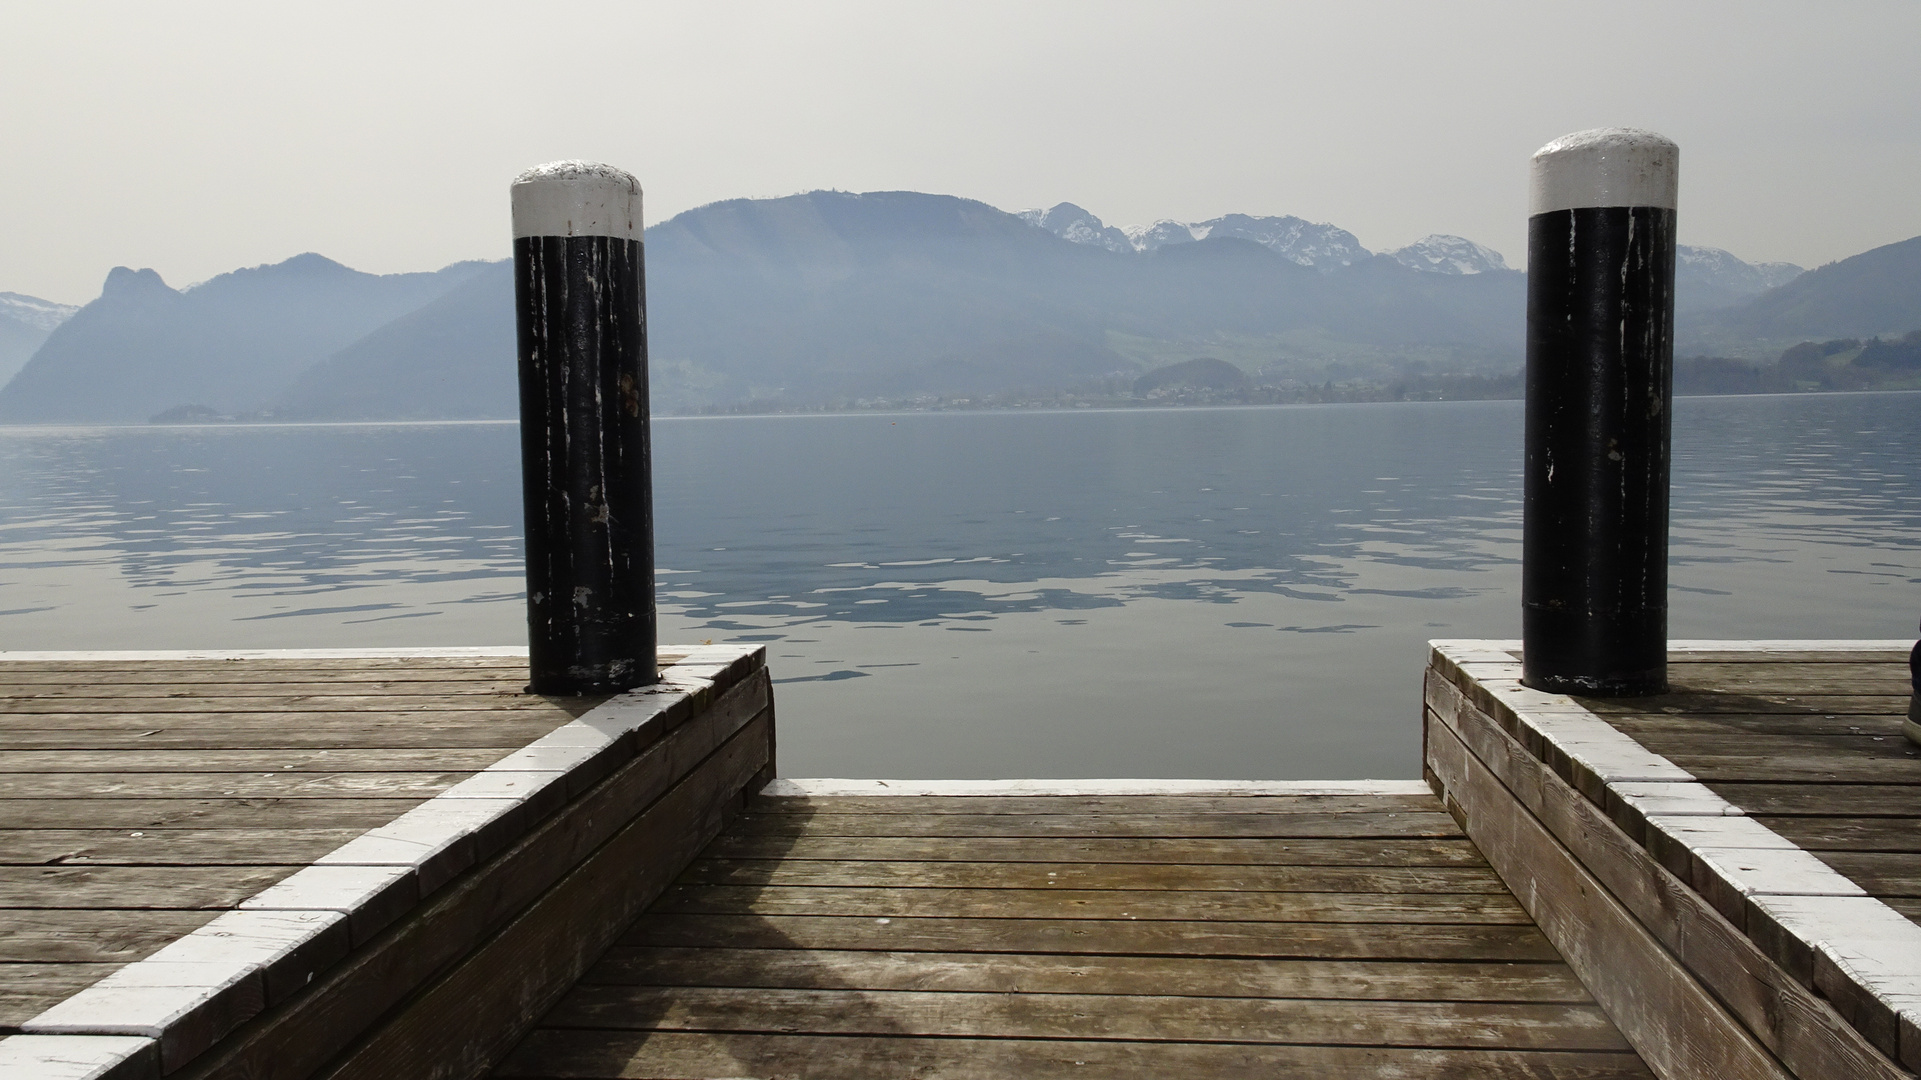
(586,468)
(1600,386)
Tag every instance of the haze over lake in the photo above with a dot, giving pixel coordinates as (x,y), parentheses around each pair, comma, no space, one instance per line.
(1182,592)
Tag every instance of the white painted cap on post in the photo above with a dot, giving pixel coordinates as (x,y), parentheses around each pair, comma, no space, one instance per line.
(1605,167)
(576,198)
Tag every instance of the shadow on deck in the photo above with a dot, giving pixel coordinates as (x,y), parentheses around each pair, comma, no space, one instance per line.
(1283,935)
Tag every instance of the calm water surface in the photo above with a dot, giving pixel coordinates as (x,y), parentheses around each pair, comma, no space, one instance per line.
(1199,592)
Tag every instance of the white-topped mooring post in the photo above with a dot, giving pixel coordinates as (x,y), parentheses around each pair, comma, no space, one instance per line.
(1600,386)
(586,462)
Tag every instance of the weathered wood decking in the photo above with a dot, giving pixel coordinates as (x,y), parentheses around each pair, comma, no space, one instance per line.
(1310,935)
(140,797)
(1731,867)
(296,867)
(1807,744)
(285,866)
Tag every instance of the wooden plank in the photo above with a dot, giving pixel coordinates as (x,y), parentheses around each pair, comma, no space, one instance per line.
(1881,873)
(1766,682)
(1113,937)
(1775,759)
(312,703)
(296,1038)
(1888,702)
(1803,1030)
(199,813)
(1822,834)
(248,734)
(1114,849)
(1861,665)
(1826,800)
(27,990)
(1356,825)
(1211,976)
(168,847)
(470,1019)
(1709,744)
(488,691)
(140,759)
(155,673)
(1083,805)
(281,719)
(226,785)
(54,888)
(1772,656)
(1741,725)
(450,658)
(288,721)
(1091,875)
(554,1054)
(92,937)
(1179,904)
(1906,905)
(1505,1025)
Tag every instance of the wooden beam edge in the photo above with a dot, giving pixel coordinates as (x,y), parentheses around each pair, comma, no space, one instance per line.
(1792,1021)
(1810,919)
(471,1017)
(196,990)
(1678,1028)
(358,995)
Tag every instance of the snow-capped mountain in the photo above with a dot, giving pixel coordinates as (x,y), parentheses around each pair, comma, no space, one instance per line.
(1706,277)
(1070,222)
(1442,254)
(1161,234)
(25,322)
(1308,243)
(33,311)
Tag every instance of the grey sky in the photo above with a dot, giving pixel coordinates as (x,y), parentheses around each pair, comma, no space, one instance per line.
(198,137)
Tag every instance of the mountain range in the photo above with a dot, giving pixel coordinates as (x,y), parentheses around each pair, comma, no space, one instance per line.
(1705,277)
(230,344)
(833,297)
(25,322)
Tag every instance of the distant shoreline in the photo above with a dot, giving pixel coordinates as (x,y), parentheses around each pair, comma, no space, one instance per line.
(227,425)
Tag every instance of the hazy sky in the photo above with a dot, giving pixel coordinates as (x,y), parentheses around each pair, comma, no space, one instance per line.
(198,137)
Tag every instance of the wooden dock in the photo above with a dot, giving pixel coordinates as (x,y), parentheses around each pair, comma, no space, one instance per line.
(142,796)
(292,865)
(1331,931)
(1731,868)
(305,866)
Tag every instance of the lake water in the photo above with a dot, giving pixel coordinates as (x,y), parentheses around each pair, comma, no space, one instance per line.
(1228,593)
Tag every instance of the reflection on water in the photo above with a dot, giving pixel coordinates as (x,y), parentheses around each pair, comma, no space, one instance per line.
(1227,592)
(953,519)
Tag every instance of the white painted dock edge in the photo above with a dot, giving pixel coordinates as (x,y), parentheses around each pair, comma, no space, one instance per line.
(1006,788)
(215,976)
(1861,946)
